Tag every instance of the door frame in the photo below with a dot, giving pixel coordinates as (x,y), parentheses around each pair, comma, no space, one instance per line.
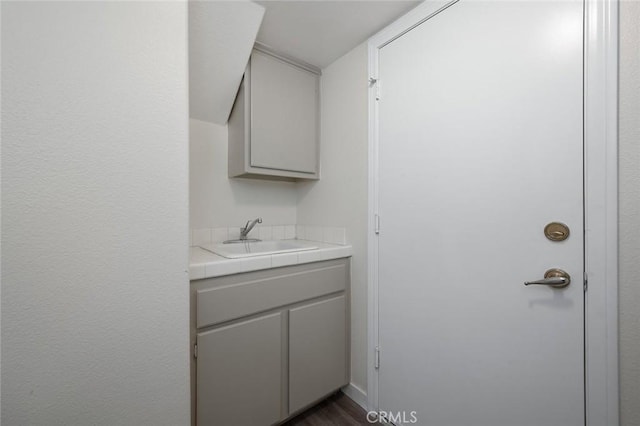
(600,192)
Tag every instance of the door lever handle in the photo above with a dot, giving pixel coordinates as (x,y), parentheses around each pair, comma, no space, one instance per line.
(553,282)
(556,278)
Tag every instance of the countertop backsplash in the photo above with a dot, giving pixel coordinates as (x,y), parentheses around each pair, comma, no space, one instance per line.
(325,234)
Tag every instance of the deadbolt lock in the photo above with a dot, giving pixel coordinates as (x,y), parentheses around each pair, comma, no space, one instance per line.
(556,231)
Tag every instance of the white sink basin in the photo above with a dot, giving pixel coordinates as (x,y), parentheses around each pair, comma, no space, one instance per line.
(258,248)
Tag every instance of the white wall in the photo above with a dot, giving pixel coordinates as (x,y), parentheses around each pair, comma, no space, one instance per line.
(340,197)
(95,301)
(216,200)
(1,80)
(629,182)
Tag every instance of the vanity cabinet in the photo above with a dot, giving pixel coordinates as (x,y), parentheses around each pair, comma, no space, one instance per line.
(274,123)
(268,344)
(240,373)
(317,347)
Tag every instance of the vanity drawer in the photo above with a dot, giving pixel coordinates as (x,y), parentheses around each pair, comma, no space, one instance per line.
(228,298)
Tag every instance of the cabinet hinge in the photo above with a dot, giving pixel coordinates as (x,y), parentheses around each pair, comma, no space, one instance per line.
(195,350)
(375,82)
(376,360)
(376,224)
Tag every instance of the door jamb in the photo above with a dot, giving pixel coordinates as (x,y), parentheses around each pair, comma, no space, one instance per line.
(601,202)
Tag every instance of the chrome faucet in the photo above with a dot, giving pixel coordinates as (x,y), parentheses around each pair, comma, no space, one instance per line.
(248,227)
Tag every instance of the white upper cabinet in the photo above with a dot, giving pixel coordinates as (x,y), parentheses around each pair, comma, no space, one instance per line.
(274,124)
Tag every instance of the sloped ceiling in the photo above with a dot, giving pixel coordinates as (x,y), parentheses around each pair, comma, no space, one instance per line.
(222,33)
(221,36)
(319,32)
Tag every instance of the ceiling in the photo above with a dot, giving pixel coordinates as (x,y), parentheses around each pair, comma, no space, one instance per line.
(222,34)
(321,31)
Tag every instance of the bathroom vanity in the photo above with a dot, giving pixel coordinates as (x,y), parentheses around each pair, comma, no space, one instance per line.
(269,343)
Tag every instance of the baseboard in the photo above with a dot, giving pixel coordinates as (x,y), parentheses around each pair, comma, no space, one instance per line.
(356,394)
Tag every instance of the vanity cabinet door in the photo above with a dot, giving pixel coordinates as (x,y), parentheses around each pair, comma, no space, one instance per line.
(239,373)
(317,351)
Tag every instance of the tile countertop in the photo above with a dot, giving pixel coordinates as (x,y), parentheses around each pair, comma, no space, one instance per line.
(204,264)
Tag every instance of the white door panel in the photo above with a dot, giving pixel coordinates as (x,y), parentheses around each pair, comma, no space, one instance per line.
(480,146)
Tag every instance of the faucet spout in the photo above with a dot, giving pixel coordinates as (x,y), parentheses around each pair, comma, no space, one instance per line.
(248,227)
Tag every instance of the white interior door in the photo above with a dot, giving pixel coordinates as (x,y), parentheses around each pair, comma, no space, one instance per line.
(480,146)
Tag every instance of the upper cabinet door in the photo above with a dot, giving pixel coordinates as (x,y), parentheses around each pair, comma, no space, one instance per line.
(274,124)
(284,115)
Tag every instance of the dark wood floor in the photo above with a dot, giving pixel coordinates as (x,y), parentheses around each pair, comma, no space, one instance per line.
(337,410)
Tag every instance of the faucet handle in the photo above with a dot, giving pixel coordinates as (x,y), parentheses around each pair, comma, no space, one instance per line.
(258,220)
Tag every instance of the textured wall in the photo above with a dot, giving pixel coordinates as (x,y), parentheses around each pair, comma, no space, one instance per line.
(216,200)
(629,165)
(340,197)
(94,214)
